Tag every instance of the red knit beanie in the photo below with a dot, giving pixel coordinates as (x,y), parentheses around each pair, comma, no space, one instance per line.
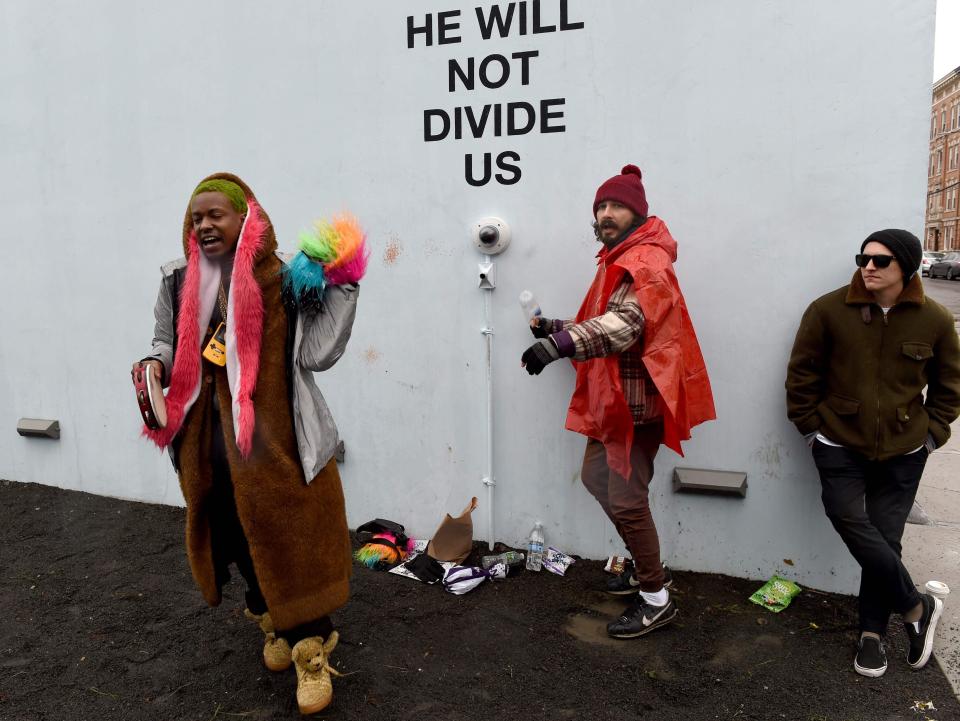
(626,189)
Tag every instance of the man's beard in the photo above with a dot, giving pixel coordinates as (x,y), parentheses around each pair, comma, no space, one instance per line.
(598,229)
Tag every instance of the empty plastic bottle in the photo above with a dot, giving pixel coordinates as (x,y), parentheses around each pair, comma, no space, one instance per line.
(507,558)
(531,309)
(535,548)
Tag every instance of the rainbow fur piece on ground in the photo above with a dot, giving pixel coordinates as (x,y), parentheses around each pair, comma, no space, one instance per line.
(333,253)
(381,552)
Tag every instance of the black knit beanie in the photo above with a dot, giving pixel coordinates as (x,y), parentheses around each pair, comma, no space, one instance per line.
(904,245)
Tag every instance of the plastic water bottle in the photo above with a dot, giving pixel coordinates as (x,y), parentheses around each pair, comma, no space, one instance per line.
(535,548)
(531,309)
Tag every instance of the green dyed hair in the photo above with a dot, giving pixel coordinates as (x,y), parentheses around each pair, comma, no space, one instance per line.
(233,191)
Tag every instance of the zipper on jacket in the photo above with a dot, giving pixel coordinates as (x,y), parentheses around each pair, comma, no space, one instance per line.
(876,444)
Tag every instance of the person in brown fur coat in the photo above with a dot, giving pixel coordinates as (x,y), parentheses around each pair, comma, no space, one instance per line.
(236,342)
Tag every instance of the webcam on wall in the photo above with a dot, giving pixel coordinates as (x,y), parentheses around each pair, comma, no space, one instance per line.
(491,235)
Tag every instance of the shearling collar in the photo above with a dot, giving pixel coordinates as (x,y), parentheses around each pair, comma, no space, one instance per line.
(859,295)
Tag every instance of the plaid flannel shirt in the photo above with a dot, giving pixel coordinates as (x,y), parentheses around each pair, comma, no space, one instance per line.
(618,331)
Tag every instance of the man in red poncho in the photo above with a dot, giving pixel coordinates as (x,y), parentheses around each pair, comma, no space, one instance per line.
(641,381)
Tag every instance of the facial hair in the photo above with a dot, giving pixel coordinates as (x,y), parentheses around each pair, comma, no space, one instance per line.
(614,242)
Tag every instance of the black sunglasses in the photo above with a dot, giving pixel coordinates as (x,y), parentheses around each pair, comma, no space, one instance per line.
(879,261)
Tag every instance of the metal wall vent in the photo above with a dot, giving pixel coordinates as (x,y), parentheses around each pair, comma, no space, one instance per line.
(703,480)
(38,428)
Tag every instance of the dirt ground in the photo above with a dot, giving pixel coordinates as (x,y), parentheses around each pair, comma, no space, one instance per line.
(99,619)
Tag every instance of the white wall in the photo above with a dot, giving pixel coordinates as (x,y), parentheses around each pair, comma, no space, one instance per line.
(773,137)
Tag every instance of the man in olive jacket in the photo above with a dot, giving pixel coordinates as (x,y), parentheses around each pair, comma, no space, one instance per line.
(855,383)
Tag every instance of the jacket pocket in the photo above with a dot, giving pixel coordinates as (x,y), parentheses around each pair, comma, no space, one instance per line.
(917,351)
(910,430)
(842,405)
(914,411)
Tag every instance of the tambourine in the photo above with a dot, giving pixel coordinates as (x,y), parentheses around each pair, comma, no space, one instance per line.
(153,408)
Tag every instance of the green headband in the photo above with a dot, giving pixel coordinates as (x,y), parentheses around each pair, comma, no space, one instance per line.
(233,191)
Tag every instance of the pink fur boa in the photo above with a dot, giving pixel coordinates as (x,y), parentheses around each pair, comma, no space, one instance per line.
(244,335)
(246,327)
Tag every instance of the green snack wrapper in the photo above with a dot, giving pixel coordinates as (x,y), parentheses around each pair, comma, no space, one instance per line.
(776,594)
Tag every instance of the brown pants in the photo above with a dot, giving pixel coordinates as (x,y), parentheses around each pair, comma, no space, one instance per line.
(626,502)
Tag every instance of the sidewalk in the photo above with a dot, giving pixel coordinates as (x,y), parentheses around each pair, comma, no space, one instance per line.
(933,551)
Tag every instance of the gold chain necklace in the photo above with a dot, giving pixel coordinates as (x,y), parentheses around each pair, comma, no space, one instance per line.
(222,302)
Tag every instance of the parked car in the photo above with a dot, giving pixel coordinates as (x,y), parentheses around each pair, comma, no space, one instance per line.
(929,257)
(947,267)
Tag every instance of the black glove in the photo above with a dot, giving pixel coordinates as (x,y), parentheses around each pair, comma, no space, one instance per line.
(539,355)
(426,568)
(543,327)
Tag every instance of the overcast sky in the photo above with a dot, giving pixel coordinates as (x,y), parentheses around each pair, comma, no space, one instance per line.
(946,54)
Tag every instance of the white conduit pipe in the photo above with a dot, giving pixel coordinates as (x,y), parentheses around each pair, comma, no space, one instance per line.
(488,480)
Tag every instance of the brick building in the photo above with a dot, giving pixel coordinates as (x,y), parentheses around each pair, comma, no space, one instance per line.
(943,175)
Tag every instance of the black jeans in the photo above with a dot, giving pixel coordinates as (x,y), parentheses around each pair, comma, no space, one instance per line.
(868,503)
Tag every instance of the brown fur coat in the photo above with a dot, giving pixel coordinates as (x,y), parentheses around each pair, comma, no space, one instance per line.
(296,531)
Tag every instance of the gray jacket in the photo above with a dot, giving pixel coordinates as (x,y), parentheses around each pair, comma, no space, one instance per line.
(315,342)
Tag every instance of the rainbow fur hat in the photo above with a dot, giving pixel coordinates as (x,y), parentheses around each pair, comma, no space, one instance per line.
(332,253)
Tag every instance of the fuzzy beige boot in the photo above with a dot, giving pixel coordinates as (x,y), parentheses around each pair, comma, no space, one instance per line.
(276,651)
(311,657)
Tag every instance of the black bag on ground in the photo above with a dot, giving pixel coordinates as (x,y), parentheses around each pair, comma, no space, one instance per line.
(366,532)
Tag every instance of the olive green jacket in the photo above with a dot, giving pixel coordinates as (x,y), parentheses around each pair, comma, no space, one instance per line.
(857,376)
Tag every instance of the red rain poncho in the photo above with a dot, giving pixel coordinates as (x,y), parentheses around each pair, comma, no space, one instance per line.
(671,353)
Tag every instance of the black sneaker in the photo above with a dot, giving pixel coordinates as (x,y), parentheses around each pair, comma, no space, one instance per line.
(641,618)
(625,584)
(921,642)
(871,660)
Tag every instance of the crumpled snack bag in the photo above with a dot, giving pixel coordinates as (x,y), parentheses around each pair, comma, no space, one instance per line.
(615,565)
(776,594)
(453,540)
(556,561)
